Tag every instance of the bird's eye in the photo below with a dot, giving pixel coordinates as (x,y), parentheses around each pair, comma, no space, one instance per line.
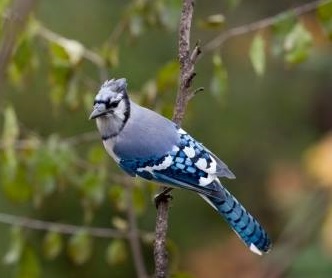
(112,104)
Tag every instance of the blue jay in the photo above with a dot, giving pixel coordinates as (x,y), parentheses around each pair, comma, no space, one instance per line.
(146,144)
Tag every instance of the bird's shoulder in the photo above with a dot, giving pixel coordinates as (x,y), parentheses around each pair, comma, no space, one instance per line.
(146,134)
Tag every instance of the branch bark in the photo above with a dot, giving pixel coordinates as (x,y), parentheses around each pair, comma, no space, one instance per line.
(14,22)
(260,24)
(187,62)
(69,229)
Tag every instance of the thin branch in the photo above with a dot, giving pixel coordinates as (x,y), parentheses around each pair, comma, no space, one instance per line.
(118,31)
(28,144)
(86,137)
(261,24)
(133,236)
(14,22)
(88,54)
(59,227)
(187,62)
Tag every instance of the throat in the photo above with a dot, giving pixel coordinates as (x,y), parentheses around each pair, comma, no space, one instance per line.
(111,124)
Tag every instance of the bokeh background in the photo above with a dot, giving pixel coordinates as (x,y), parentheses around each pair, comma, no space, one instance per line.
(273,129)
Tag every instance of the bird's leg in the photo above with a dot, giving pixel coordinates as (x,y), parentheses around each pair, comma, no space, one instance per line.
(164,195)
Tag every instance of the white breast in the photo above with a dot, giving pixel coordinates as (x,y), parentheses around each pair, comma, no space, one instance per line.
(109,144)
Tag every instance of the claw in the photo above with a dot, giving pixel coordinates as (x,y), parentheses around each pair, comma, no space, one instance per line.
(163,196)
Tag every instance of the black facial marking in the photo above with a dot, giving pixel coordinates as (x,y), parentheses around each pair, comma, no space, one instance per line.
(113,104)
(108,103)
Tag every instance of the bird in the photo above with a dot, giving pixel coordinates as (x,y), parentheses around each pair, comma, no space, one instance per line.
(146,144)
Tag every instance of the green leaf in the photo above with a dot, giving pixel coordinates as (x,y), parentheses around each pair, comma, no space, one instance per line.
(233,3)
(110,53)
(15,250)
(16,188)
(96,154)
(167,77)
(120,223)
(72,94)
(29,265)
(257,54)
(324,13)
(218,83)
(297,44)
(80,248)
(169,14)
(88,98)
(24,60)
(10,134)
(116,252)
(280,29)
(50,163)
(139,199)
(66,52)
(213,21)
(117,197)
(52,245)
(92,187)
(3,6)
(136,25)
(182,275)
(59,55)
(10,129)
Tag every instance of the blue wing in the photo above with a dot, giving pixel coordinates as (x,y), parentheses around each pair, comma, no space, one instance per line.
(187,165)
(191,166)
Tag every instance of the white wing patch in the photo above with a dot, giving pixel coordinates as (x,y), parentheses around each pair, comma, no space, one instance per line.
(162,166)
(205,181)
(202,165)
(189,151)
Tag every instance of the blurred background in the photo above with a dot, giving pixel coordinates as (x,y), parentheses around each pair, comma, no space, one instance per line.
(266,111)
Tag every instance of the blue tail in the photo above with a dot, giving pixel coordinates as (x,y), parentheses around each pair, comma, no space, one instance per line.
(242,222)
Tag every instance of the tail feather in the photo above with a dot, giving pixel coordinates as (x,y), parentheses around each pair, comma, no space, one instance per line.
(242,222)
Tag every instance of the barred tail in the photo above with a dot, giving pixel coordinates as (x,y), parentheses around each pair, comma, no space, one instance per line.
(242,222)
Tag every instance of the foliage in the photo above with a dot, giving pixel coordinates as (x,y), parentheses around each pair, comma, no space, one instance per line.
(39,168)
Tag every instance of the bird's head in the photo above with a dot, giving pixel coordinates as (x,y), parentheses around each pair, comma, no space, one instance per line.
(111,107)
(111,99)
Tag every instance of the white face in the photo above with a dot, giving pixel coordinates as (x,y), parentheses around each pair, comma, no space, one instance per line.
(111,108)
(107,103)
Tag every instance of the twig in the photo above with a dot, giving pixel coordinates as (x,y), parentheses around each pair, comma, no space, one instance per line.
(60,227)
(261,24)
(82,138)
(187,62)
(13,24)
(27,144)
(88,54)
(133,236)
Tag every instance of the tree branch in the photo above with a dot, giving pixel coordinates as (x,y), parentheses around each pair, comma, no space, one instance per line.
(133,236)
(261,24)
(187,62)
(60,227)
(88,54)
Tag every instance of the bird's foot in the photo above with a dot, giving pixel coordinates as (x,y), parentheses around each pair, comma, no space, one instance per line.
(163,196)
